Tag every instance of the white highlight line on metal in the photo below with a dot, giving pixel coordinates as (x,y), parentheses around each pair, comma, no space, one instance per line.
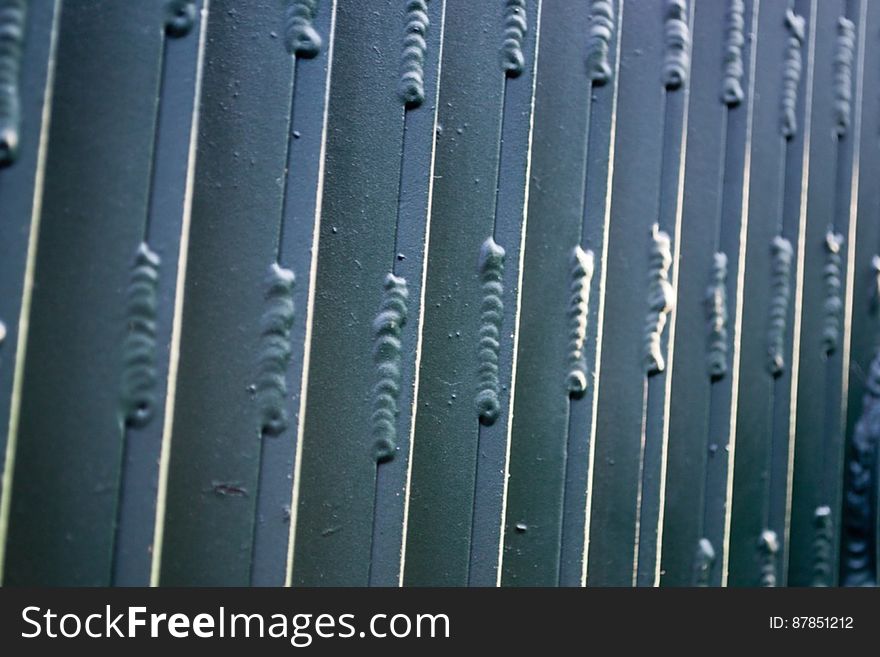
(27,292)
(176,322)
(736,329)
(799,288)
(522,248)
(418,359)
(600,316)
(852,235)
(310,307)
(670,360)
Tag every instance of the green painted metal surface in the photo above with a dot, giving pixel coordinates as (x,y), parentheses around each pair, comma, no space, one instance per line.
(437,292)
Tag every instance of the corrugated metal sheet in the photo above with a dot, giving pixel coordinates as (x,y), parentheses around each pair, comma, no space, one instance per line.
(439,292)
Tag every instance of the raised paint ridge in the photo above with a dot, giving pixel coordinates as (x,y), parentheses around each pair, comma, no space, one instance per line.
(578,312)
(275,351)
(515,28)
(779,297)
(661,299)
(823,548)
(180,16)
(677,33)
(791,72)
(599,37)
(833,305)
(300,35)
(491,315)
(716,311)
(703,562)
(412,59)
(734,40)
(858,556)
(387,328)
(12,21)
(844,55)
(768,549)
(139,374)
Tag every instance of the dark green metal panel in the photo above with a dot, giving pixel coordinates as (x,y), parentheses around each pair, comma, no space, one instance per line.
(69,440)
(232,385)
(416,168)
(362,353)
(596,213)
(552,413)
(18,181)
(456,486)
(136,512)
(818,448)
(305,141)
(437,292)
(721,102)
(758,528)
(511,192)
(639,294)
